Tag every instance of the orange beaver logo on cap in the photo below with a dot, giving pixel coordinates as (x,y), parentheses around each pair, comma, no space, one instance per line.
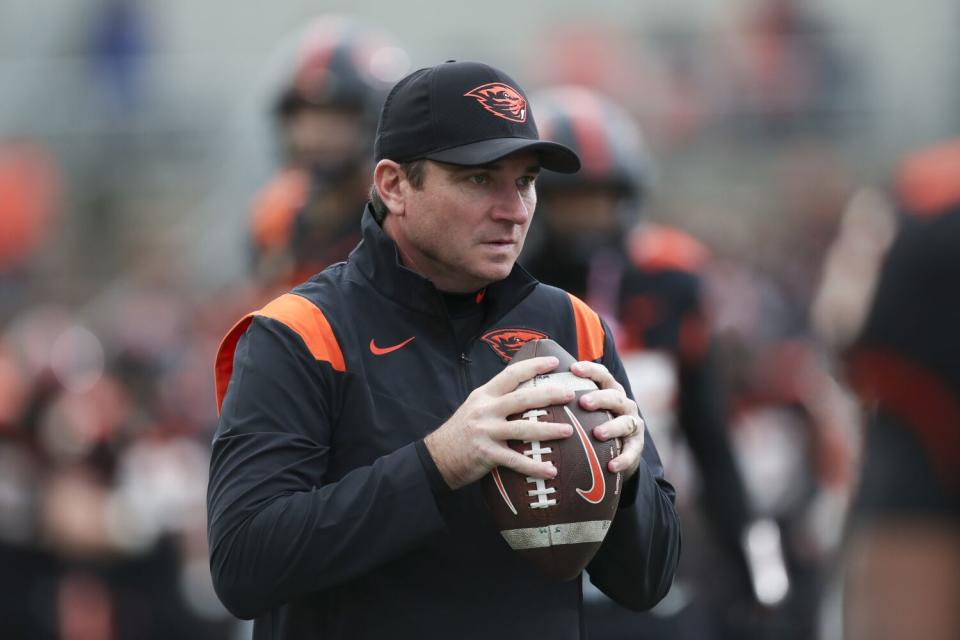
(506,342)
(501,100)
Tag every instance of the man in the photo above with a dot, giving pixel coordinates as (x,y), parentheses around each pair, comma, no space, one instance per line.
(358,411)
(306,217)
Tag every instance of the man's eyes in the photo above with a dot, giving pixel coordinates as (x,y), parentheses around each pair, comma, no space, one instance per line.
(482,179)
(526,181)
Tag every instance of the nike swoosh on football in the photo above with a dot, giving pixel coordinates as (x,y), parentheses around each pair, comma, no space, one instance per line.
(382,351)
(598,488)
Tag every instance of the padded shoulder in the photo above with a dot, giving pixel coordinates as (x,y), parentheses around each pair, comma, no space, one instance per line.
(654,247)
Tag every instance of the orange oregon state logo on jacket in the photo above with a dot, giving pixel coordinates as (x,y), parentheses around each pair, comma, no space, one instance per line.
(506,342)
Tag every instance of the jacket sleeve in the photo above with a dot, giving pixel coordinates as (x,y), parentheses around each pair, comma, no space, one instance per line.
(277,529)
(637,560)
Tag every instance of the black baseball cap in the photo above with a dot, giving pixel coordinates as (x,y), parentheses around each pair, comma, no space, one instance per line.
(463,113)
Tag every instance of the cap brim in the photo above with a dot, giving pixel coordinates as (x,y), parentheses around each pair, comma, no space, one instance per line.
(553,156)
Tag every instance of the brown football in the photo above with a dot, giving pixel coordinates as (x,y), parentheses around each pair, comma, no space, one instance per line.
(558,524)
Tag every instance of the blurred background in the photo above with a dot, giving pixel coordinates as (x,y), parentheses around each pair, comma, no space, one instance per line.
(146,205)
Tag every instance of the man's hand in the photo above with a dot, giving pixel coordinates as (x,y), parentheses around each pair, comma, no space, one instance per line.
(626,424)
(473,440)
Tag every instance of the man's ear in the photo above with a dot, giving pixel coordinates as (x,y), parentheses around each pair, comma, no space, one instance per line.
(389,180)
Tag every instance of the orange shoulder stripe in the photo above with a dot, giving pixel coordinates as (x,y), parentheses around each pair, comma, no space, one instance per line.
(297,313)
(589,330)
(308,321)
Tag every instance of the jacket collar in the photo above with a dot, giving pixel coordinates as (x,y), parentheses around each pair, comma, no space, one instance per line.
(378,260)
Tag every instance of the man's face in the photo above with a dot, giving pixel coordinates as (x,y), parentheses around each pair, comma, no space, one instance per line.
(323,136)
(466,226)
(575,212)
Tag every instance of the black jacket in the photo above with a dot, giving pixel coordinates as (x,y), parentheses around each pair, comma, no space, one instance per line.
(328,519)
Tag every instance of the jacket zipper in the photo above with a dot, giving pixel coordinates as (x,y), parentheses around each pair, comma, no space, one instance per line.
(463,360)
(464,367)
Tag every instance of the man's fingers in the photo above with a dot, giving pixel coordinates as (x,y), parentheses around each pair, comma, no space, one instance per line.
(625,426)
(629,458)
(613,400)
(596,372)
(531,430)
(518,372)
(522,400)
(526,466)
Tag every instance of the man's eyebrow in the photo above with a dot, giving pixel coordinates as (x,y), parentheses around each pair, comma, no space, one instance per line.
(457,169)
(467,168)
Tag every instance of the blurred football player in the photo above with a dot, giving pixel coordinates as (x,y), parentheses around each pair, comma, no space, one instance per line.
(306,217)
(644,280)
(889,304)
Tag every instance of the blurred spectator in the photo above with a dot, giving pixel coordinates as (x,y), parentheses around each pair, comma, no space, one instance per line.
(898,332)
(102,478)
(30,193)
(120,42)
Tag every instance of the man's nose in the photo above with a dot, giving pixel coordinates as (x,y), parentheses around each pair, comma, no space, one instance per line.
(512,206)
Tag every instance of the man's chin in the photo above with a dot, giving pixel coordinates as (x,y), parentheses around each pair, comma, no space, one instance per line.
(493,274)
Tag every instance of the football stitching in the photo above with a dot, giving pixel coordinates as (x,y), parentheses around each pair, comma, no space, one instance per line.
(536,452)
